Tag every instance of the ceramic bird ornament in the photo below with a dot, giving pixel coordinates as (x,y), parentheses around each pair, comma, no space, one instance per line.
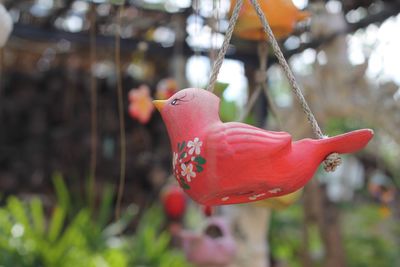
(220,163)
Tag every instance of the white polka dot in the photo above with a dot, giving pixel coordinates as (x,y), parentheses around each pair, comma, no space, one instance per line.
(275,190)
(253,197)
(225,198)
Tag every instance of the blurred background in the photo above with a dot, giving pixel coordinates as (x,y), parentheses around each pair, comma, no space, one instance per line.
(79,134)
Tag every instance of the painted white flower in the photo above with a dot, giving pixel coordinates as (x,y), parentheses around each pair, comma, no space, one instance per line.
(194,146)
(174,160)
(187,171)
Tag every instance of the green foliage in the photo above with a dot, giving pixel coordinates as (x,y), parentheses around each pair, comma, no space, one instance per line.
(28,238)
(228,110)
(285,235)
(26,241)
(368,237)
(220,88)
(117,2)
(337,126)
(150,246)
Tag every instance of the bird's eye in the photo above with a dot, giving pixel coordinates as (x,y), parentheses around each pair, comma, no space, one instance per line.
(174,102)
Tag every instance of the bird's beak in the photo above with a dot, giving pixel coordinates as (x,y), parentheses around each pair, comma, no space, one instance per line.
(159,104)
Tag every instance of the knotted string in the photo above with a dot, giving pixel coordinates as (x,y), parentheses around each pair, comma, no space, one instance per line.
(260,78)
(333,160)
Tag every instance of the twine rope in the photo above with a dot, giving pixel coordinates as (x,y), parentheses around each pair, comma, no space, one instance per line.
(261,79)
(221,54)
(333,160)
(288,72)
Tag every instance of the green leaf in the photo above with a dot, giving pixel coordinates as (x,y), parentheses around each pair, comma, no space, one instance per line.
(179,146)
(16,208)
(37,215)
(185,186)
(228,110)
(220,88)
(183,145)
(106,205)
(61,191)
(183,155)
(57,223)
(200,160)
(199,168)
(250,119)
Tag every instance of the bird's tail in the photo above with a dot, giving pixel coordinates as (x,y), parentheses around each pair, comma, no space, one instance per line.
(345,143)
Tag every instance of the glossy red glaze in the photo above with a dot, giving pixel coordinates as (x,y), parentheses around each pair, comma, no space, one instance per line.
(220,163)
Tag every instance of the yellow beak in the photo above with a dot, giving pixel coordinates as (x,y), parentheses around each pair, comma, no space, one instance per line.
(159,104)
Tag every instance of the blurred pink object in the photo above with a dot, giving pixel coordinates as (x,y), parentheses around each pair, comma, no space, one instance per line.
(141,106)
(214,247)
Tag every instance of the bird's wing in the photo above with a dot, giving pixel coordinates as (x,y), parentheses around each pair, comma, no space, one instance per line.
(236,138)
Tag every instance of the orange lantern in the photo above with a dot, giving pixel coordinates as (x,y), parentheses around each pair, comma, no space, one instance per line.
(282,16)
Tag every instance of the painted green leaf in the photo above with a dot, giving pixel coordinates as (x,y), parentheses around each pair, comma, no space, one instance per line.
(182,146)
(184,185)
(200,160)
(183,155)
(179,146)
(199,168)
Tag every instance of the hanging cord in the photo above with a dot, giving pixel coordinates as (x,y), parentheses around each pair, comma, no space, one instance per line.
(260,77)
(261,85)
(93,106)
(1,68)
(333,160)
(120,112)
(225,45)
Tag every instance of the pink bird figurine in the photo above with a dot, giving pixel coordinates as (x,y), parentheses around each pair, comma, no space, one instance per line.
(220,163)
(214,247)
